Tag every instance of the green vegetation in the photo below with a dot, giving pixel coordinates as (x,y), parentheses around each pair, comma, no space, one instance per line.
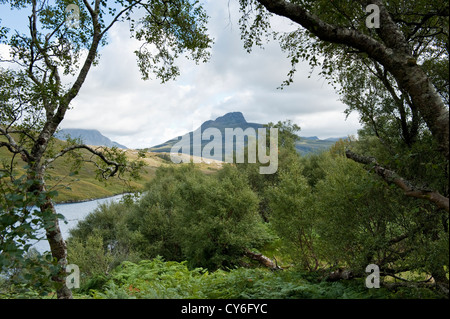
(189,234)
(307,231)
(158,279)
(208,220)
(48,62)
(74,182)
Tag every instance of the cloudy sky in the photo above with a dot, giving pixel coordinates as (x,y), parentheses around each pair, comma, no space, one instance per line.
(136,113)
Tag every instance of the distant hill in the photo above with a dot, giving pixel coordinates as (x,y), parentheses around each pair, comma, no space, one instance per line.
(89,137)
(306,145)
(313,146)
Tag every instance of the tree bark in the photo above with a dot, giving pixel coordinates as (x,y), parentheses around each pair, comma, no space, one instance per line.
(58,249)
(265,261)
(57,244)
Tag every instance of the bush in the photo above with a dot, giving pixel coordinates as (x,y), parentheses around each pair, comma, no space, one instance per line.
(208,220)
(292,216)
(102,240)
(152,279)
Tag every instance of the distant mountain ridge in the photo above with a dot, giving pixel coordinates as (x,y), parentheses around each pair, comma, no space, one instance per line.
(89,137)
(306,145)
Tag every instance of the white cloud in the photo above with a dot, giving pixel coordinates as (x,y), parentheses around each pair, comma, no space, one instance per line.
(140,113)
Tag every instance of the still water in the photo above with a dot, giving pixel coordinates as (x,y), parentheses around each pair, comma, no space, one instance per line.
(73,213)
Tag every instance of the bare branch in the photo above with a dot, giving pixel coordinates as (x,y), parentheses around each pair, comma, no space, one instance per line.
(13,147)
(116,18)
(408,188)
(114,166)
(262,259)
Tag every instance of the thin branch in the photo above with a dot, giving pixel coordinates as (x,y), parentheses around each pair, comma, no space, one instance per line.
(88,6)
(27,134)
(408,188)
(116,18)
(13,147)
(114,166)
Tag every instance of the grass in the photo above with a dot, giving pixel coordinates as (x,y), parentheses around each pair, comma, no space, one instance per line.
(84,185)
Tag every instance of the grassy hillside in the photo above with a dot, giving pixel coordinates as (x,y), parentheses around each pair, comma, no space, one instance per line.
(84,185)
(309,146)
(81,186)
(304,146)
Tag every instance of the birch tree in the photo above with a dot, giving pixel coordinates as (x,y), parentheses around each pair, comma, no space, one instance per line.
(48,64)
(387,59)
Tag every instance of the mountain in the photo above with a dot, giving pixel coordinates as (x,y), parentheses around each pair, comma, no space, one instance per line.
(230,120)
(89,137)
(306,145)
(310,138)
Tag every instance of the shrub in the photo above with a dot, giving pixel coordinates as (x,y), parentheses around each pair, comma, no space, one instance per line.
(184,214)
(209,220)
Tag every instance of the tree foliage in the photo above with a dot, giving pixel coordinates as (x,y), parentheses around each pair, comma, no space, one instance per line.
(184,215)
(350,218)
(22,223)
(395,76)
(324,212)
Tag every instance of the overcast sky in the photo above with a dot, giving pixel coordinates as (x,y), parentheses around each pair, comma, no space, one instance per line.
(116,101)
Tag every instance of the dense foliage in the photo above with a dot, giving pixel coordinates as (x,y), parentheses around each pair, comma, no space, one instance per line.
(208,220)
(158,279)
(21,224)
(202,225)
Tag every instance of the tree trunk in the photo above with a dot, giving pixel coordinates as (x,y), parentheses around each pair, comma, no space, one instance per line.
(58,248)
(440,277)
(265,261)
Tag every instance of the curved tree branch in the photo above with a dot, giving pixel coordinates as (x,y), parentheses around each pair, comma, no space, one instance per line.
(13,147)
(267,262)
(408,188)
(113,165)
